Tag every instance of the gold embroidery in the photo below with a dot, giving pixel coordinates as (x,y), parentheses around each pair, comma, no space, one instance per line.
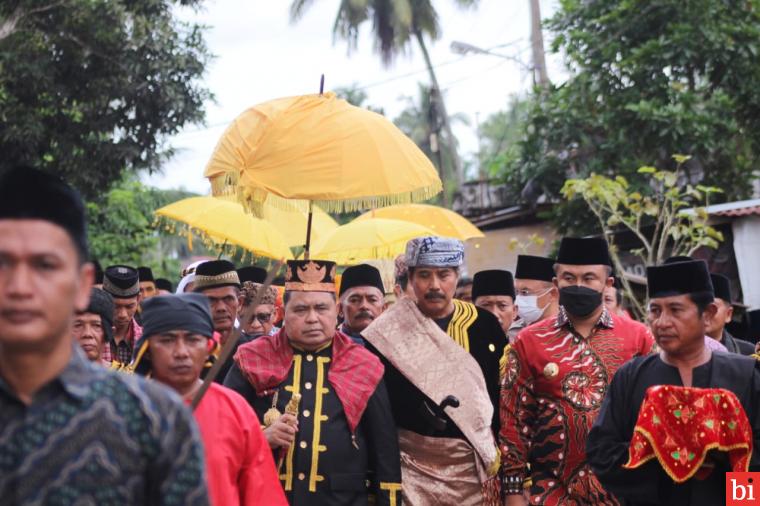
(295,388)
(464,316)
(393,490)
(316,447)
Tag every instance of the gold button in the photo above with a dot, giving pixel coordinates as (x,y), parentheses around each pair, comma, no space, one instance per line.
(308,385)
(301,476)
(309,357)
(306,413)
(303,444)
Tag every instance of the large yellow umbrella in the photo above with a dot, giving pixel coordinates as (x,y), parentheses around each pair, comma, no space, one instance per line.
(292,222)
(363,240)
(318,149)
(224,222)
(443,221)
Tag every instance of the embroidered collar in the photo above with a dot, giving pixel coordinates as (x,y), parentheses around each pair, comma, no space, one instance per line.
(605,319)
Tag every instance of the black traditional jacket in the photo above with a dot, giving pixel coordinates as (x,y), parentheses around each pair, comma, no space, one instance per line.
(326,465)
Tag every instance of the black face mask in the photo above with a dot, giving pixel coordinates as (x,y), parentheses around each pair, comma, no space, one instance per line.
(579,300)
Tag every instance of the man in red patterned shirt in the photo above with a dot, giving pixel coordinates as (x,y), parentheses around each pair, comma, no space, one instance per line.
(123,283)
(556,375)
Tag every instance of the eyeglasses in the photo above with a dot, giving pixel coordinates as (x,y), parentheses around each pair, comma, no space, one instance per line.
(262,317)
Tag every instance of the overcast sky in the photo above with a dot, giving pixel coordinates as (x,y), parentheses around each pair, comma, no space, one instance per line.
(260,56)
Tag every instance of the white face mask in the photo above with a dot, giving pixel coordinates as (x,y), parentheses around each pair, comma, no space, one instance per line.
(527,307)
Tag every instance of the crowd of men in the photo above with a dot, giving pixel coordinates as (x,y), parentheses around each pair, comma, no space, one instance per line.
(529,388)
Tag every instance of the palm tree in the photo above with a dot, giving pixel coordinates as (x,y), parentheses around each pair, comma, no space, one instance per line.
(417,122)
(395,24)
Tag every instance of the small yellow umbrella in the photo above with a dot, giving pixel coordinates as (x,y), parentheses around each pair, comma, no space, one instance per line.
(363,240)
(320,149)
(222,221)
(443,221)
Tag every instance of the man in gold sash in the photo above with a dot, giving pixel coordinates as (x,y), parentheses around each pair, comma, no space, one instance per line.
(441,359)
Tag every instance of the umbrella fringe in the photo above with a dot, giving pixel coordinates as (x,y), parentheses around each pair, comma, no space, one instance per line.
(253,199)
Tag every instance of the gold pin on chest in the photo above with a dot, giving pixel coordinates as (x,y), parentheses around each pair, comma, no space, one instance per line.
(551,370)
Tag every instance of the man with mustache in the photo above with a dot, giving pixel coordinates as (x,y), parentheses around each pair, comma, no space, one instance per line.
(441,358)
(239,465)
(322,399)
(557,372)
(123,284)
(362,299)
(71,431)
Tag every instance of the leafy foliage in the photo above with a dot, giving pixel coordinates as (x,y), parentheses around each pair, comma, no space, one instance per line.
(91,88)
(647,79)
(668,220)
(122,232)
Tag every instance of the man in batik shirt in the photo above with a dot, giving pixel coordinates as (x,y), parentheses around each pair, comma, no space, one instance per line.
(71,431)
(557,373)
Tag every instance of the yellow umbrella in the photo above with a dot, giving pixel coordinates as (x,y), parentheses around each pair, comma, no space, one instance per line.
(319,149)
(292,222)
(443,221)
(222,221)
(363,240)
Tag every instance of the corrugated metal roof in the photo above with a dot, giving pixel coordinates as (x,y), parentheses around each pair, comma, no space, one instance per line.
(745,211)
(732,209)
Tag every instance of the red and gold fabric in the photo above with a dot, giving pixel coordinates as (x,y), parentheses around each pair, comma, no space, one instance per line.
(554,381)
(354,373)
(679,425)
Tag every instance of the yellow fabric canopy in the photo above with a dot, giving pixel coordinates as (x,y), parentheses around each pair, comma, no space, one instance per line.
(443,221)
(222,221)
(321,149)
(363,240)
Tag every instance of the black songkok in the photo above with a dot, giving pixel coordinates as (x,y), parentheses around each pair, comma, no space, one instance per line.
(186,311)
(679,278)
(101,304)
(584,251)
(121,281)
(27,193)
(492,282)
(722,286)
(310,276)
(145,274)
(164,284)
(252,274)
(533,267)
(361,275)
(215,274)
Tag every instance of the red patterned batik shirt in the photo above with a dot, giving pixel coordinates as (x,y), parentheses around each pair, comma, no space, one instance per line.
(553,386)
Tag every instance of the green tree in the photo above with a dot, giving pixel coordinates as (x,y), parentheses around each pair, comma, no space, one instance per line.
(92,88)
(396,24)
(358,97)
(122,231)
(500,136)
(647,79)
(668,220)
(419,123)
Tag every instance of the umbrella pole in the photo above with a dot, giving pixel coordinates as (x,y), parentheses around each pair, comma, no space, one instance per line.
(308,233)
